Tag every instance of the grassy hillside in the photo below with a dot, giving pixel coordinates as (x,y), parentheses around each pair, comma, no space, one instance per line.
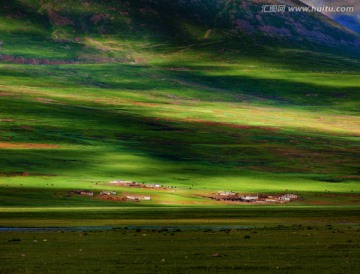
(116,90)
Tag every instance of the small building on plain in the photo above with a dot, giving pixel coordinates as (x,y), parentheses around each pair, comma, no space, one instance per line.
(86,193)
(249,198)
(138,197)
(284,198)
(108,193)
(270,201)
(226,193)
(121,182)
(153,185)
(126,183)
(291,196)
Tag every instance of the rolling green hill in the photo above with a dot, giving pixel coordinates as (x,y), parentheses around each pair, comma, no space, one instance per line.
(207,95)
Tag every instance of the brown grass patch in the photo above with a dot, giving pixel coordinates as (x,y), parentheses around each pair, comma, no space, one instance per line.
(24,174)
(45,100)
(6,94)
(26,127)
(143,104)
(111,198)
(33,61)
(230,125)
(8,145)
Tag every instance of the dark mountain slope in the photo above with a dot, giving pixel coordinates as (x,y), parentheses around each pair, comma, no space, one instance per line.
(187,21)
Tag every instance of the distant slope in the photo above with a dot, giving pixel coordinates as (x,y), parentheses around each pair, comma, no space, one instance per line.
(184,22)
(348,21)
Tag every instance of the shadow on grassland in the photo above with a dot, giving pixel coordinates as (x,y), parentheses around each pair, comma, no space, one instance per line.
(198,83)
(132,131)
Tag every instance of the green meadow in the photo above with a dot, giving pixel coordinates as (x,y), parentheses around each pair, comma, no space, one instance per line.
(82,104)
(295,249)
(246,126)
